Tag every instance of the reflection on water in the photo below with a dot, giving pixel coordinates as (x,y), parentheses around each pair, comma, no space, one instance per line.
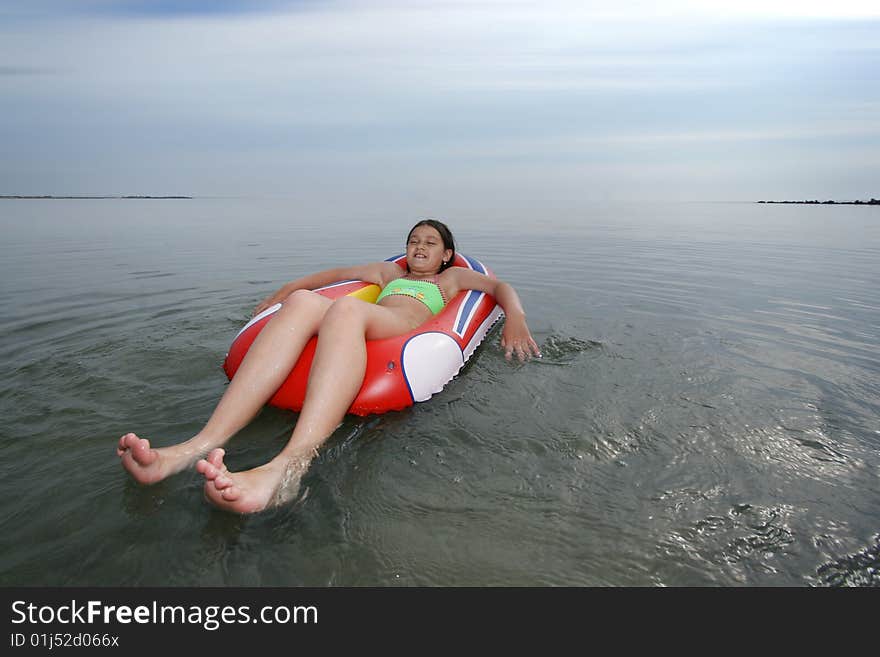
(704,414)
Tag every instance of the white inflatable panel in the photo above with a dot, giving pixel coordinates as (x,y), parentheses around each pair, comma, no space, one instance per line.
(429,361)
(481,332)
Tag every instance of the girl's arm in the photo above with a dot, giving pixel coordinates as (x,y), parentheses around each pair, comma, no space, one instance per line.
(376,272)
(515,337)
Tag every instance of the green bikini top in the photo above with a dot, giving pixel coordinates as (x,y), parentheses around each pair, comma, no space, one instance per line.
(428,292)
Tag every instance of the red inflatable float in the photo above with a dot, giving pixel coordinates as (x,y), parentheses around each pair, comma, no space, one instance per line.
(400,370)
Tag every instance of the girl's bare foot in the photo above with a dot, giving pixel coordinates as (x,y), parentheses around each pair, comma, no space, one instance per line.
(147,465)
(264,487)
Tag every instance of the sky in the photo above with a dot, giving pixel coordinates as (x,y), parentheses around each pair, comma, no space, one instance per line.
(419,103)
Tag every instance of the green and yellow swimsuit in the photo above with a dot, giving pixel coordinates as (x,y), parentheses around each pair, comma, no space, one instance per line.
(428,292)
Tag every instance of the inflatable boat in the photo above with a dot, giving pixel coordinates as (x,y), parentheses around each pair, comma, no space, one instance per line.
(402,370)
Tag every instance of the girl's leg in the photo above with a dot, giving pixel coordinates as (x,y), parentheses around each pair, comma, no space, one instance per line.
(336,377)
(262,371)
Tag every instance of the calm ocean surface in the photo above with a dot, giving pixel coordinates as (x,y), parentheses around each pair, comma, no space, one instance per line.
(706,412)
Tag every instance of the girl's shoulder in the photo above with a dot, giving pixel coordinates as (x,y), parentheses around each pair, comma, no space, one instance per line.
(388,271)
(460,273)
(455,279)
(379,273)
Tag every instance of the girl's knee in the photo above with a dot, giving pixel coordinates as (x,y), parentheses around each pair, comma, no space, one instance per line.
(303,299)
(302,308)
(345,309)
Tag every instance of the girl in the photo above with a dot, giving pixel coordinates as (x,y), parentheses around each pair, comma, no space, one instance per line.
(408,298)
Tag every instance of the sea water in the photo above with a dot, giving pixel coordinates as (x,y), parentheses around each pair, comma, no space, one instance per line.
(705,413)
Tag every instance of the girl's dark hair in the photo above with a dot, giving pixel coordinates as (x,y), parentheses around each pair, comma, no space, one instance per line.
(445,235)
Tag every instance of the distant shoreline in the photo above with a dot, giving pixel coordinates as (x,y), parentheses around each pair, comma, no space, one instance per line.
(95,197)
(873,201)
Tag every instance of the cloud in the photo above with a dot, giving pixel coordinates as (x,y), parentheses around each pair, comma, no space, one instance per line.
(508,92)
(29,71)
(122,9)
(775,9)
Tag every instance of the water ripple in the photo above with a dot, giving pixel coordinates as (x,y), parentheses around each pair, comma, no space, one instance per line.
(859,569)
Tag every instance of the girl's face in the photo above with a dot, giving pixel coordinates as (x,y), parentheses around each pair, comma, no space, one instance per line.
(425,252)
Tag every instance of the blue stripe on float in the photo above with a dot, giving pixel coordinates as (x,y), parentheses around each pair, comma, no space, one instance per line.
(476,265)
(467,310)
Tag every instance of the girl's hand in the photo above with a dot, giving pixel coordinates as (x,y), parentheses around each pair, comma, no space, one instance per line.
(516,339)
(268,302)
